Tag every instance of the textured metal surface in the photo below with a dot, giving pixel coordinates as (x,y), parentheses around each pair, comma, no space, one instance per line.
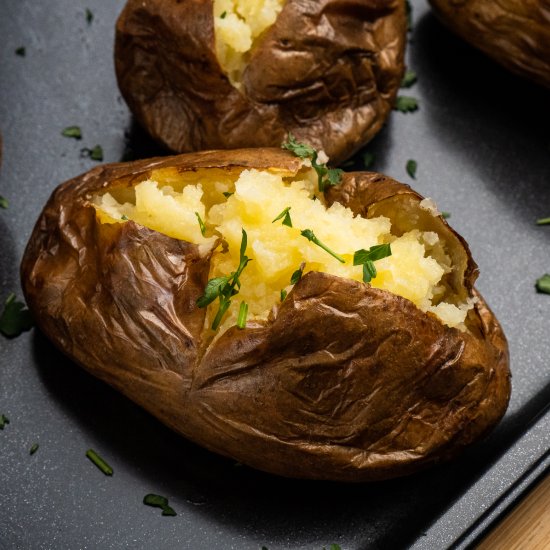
(483,150)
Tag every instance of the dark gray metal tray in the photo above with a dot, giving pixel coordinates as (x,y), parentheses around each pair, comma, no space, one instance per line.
(482,142)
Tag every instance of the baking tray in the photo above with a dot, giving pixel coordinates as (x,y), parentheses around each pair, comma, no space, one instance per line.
(481,139)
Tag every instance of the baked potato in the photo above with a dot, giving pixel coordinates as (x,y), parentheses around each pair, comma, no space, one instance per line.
(220,74)
(515,33)
(320,374)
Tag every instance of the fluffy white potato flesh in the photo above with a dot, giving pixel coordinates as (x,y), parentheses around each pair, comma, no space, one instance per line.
(237,26)
(251,201)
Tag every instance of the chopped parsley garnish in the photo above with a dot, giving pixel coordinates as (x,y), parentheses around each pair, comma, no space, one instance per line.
(15,318)
(225,287)
(99,462)
(445,215)
(243,313)
(406,104)
(161,502)
(285,216)
(543,284)
(411,168)
(543,221)
(222,16)
(95,154)
(124,217)
(283,294)
(366,258)
(327,177)
(33,449)
(21,51)
(89,16)
(3,421)
(201,224)
(409,78)
(227,194)
(297,275)
(310,236)
(72,132)
(368,159)
(3,202)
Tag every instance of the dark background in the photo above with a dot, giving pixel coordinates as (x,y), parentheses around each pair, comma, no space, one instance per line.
(482,142)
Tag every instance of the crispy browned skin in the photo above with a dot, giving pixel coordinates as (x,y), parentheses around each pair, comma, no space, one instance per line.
(343,382)
(516,33)
(327,71)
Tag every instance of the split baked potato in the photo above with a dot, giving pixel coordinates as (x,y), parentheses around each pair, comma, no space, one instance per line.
(221,74)
(320,374)
(515,33)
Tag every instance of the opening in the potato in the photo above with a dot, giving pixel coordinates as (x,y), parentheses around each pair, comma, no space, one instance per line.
(238,24)
(212,207)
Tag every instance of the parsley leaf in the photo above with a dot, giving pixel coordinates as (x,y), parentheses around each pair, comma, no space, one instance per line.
(368,159)
(3,421)
(201,224)
(95,154)
(213,289)
(297,275)
(445,215)
(284,214)
(15,318)
(161,502)
(366,258)
(21,51)
(72,132)
(543,284)
(301,150)
(227,194)
(310,236)
(3,202)
(409,78)
(283,294)
(222,16)
(406,104)
(411,168)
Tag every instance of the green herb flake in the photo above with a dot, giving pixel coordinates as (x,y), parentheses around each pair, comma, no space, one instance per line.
(72,132)
(157,501)
(297,275)
(283,295)
(21,51)
(124,217)
(411,167)
(541,221)
(222,16)
(445,215)
(33,449)
(326,177)
(335,547)
(368,159)
(406,104)
(366,258)
(3,421)
(409,78)
(15,318)
(201,224)
(310,236)
(543,284)
(99,462)
(89,16)
(227,194)
(285,215)
(243,313)
(95,154)
(3,202)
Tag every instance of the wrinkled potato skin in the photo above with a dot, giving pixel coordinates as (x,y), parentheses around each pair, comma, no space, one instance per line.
(343,381)
(327,71)
(515,33)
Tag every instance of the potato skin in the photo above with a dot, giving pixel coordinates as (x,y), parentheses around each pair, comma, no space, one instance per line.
(327,71)
(515,33)
(343,382)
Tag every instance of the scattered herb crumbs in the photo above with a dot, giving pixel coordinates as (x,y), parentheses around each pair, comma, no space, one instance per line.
(327,177)
(366,258)
(445,215)
(285,216)
(227,194)
(3,421)
(21,51)
(72,132)
(95,154)
(33,449)
(543,284)
(222,16)
(158,501)
(15,318)
(310,236)
(409,78)
(243,313)
(99,462)
(3,202)
(283,294)
(411,168)
(368,159)
(543,221)
(89,16)
(406,104)
(201,224)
